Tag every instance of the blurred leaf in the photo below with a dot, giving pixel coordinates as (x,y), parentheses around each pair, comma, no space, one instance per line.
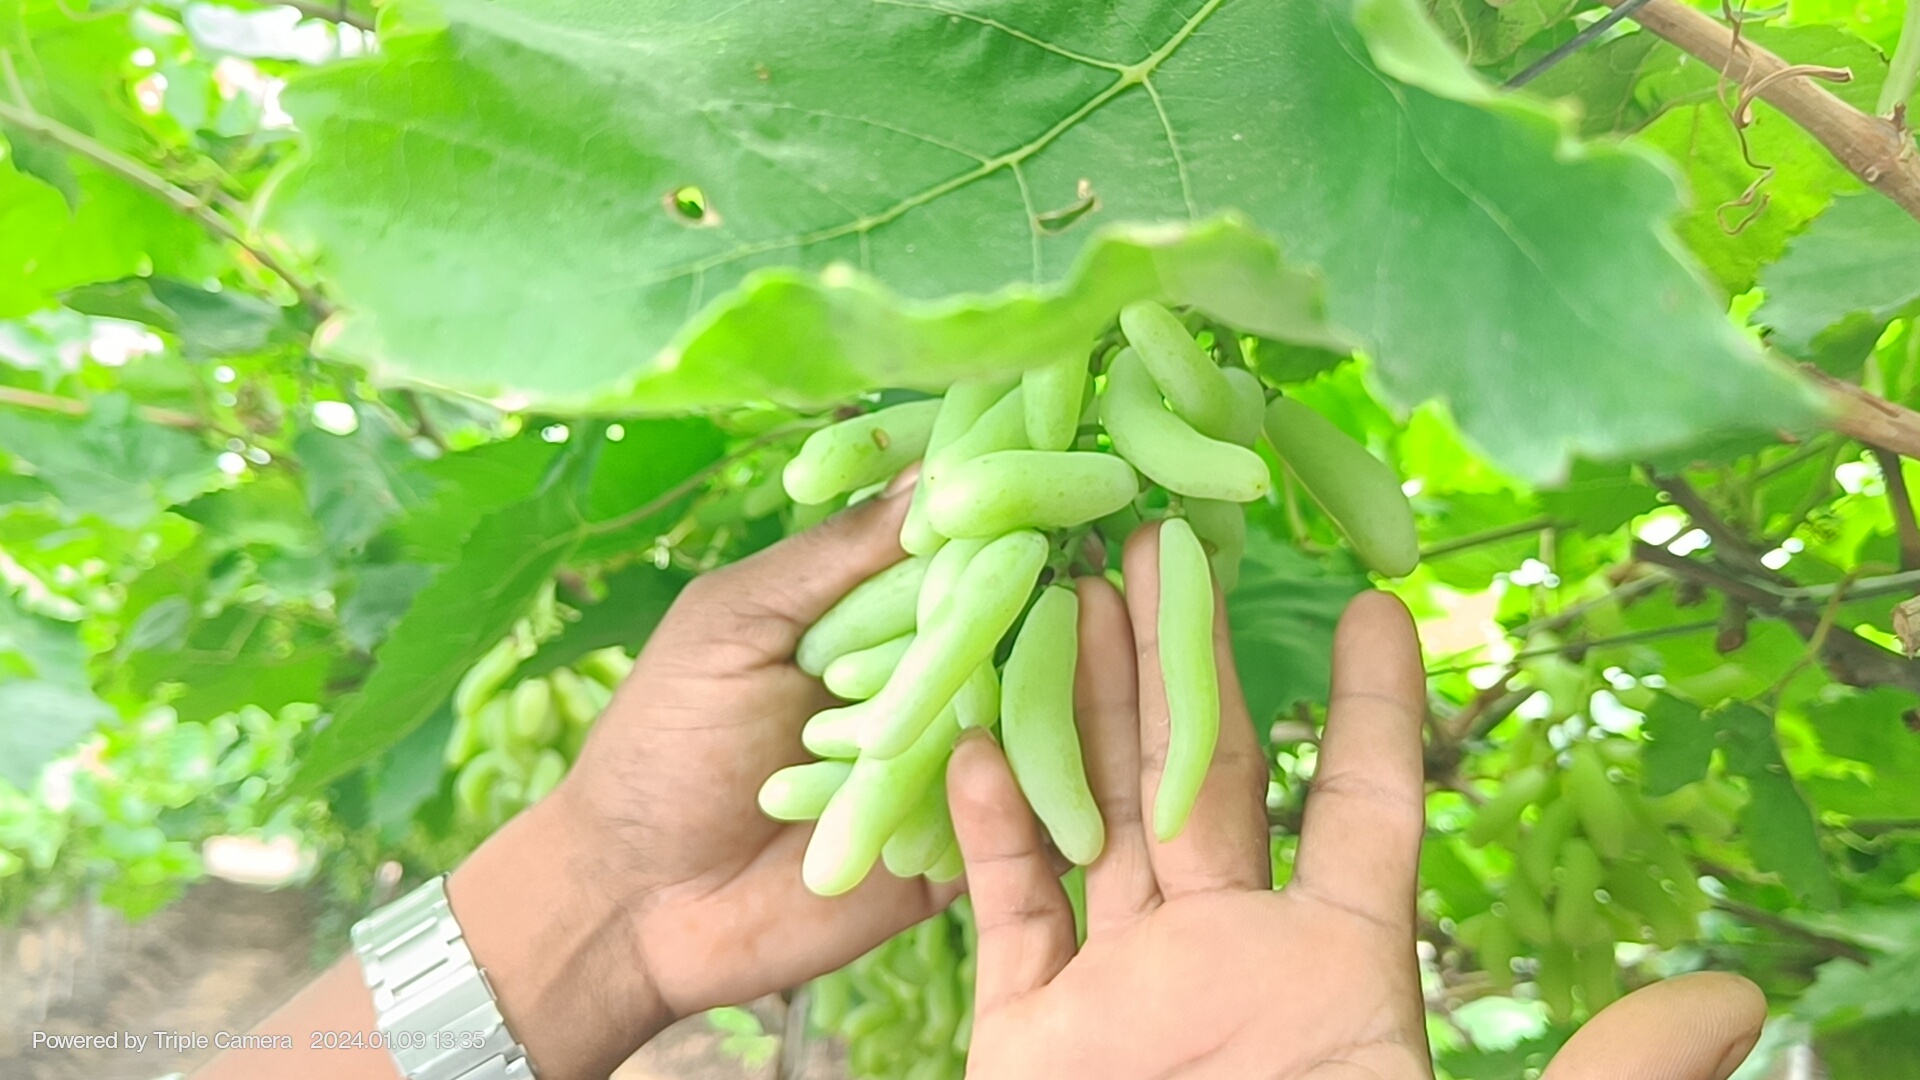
(208,324)
(42,719)
(1487,33)
(1861,258)
(650,459)
(1846,992)
(110,462)
(358,483)
(33,646)
(1444,870)
(469,606)
(1282,615)
(382,595)
(1881,1049)
(1599,498)
(1778,826)
(1680,743)
(409,774)
(1869,728)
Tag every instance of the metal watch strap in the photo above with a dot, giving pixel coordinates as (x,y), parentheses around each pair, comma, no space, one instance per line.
(437,1013)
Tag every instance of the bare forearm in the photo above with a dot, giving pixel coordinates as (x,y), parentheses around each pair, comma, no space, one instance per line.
(558,951)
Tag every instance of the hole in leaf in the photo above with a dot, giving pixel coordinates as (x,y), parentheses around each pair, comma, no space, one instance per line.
(690,205)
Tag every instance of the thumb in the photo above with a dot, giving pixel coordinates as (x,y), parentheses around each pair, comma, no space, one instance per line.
(796,580)
(1694,1027)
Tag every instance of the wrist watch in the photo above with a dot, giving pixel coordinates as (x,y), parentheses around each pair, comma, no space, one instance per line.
(438,1015)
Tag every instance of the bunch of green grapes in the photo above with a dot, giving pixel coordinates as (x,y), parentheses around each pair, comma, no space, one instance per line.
(903,1008)
(1015,475)
(1594,865)
(512,742)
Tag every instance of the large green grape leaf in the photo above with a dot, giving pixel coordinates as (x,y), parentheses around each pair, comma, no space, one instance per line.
(503,201)
(110,463)
(1283,612)
(1860,261)
(1776,822)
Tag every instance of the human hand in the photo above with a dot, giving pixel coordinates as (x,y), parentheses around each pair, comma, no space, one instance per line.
(1193,965)
(693,898)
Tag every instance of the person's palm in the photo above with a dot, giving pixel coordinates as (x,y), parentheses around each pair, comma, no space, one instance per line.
(713,706)
(1193,966)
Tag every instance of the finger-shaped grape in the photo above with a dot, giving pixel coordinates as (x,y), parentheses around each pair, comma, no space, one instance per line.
(1539,850)
(1189,379)
(1188,668)
(947,566)
(1499,946)
(1249,406)
(836,733)
(962,635)
(1052,396)
(1168,449)
(494,723)
(1605,815)
(608,666)
(473,787)
(1222,527)
(579,700)
(878,609)
(1576,911)
(464,741)
(977,702)
(876,797)
(800,792)
(860,674)
(1526,911)
(1599,976)
(1639,888)
(485,678)
(965,402)
(1357,490)
(1554,978)
(547,772)
(1501,814)
(1037,727)
(533,721)
(923,837)
(950,866)
(1029,489)
(865,450)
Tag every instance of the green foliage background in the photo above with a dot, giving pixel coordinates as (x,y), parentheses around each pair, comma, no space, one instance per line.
(326,351)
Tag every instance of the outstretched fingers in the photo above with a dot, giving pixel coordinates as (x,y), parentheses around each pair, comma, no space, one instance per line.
(1024,920)
(1120,884)
(1360,842)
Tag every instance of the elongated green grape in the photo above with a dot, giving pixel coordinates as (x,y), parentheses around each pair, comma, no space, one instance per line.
(1188,669)
(1502,813)
(533,719)
(860,674)
(836,733)
(1576,911)
(870,805)
(800,792)
(1499,945)
(977,702)
(1037,727)
(578,700)
(1527,911)
(1599,976)
(1605,816)
(966,401)
(962,635)
(474,786)
(494,721)
(1249,406)
(1357,490)
(1639,888)
(1539,850)
(878,609)
(547,772)
(485,678)
(1222,527)
(1168,449)
(947,566)
(1029,489)
(1555,978)
(608,666)
(1189,379)
(464,741)
(864,450)
(949,867)
(1052,396)
(923,837)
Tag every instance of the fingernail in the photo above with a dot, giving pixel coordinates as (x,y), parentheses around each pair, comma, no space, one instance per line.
(904,481)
